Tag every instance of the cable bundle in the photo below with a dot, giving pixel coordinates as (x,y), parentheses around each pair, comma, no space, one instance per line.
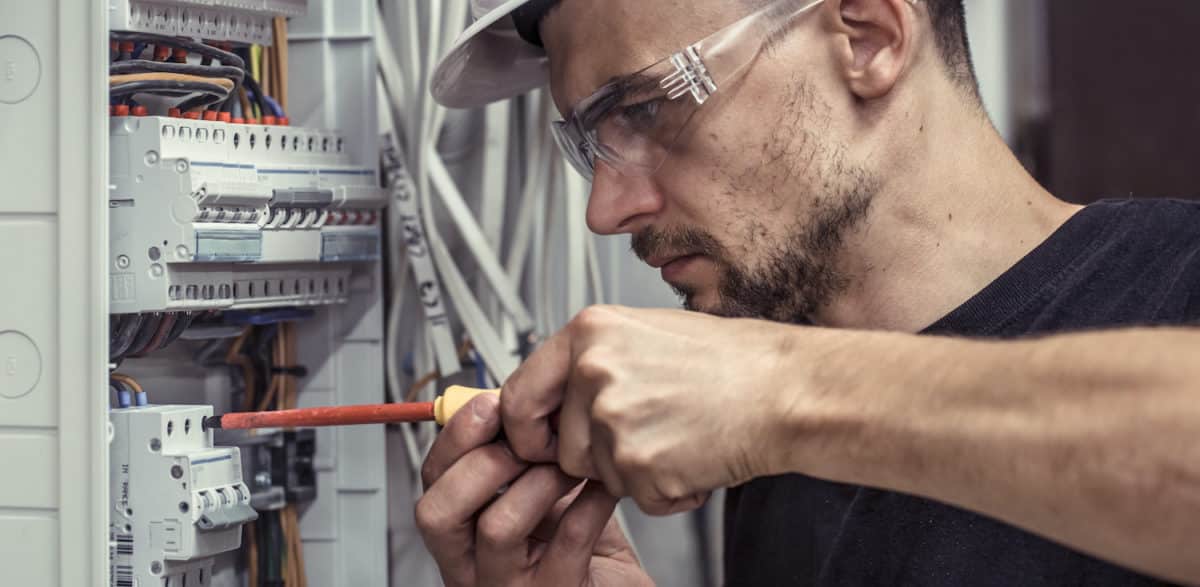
(240,82)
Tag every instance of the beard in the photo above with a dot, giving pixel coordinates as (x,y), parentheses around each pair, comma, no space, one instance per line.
(796,274)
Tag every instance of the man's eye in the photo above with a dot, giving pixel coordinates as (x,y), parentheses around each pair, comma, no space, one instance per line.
(641,116)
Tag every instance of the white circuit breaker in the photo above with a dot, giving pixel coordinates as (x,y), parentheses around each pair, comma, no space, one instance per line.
(241,21)
(208,215)
(177,501)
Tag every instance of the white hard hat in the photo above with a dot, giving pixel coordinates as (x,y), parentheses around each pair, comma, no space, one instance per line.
(498,57)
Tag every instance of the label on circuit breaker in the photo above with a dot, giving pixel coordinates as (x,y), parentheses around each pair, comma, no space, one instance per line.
(120,559)
(230,246)
(348,246)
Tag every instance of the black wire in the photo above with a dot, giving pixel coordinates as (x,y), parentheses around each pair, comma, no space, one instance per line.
(125,337)
(224,57)
(145,332)
(234,74)
(210,93)
(253,87)
(175,87)
(181,323)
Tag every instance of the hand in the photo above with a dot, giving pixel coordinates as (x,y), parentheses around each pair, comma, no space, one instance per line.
(661,405)
(545,529)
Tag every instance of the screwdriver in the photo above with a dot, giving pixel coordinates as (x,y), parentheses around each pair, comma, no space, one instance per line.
(439,410)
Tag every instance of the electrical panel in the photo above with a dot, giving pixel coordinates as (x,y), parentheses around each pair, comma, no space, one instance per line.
(208,215)
(242,21)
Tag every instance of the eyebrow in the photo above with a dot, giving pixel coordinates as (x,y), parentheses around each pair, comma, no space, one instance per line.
(617,87)
(632,81)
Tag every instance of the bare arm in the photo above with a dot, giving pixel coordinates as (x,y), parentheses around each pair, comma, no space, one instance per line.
(1091,440)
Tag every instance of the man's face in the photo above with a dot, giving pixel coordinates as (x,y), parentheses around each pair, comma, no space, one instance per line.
(749,214)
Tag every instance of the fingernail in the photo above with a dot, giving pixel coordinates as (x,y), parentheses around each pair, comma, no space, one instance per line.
(485,407)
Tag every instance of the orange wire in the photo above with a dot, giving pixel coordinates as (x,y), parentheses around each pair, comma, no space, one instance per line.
(127,380)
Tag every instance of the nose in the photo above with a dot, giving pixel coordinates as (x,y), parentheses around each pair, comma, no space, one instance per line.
(621,204)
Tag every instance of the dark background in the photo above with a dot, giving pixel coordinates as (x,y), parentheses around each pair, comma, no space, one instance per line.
(1124,98)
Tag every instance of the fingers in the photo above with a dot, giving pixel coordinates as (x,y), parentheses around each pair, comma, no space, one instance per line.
(668,507)
(532,395)
(602,460)
(470,428)
(569,554)
(574,437)
(445,514)
(504,530)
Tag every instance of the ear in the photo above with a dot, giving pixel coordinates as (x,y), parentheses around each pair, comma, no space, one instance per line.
(877,44)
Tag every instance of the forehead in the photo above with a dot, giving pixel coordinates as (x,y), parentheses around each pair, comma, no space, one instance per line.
(592,41)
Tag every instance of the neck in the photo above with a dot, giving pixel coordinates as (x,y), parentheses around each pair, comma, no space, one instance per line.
(959,212)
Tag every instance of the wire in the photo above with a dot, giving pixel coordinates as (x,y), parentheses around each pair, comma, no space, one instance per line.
(274,106)
(252,87)
(182,323)
(165,324)
(211,91)
(132,384)
(281,61)
(138,66)
(127,330)
(225,57)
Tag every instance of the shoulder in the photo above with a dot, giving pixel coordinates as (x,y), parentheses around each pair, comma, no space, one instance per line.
(1150,251)
(1160,240)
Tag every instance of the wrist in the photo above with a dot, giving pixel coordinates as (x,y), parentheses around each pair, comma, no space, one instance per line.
(837,414)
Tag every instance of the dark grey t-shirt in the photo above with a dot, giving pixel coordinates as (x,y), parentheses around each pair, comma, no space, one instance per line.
(1116,263)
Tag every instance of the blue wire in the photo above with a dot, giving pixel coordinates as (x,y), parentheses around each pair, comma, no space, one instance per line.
(275,109)
(124,399)
(141,399)
(480,370)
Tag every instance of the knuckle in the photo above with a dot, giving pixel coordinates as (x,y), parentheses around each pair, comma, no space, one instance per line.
(593,365)
(496,528)
(575,533)
(591,318)
(608,410)
(630,458)
(429,520)
(576,465)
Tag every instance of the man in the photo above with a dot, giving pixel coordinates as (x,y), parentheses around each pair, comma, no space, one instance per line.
(825,163)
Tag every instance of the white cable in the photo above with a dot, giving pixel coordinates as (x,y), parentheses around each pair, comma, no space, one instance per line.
(536,174)
(595,279)
(493,190)
(476,242)
(576,249)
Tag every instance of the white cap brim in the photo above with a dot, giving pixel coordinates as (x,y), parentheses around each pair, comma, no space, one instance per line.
(489,62)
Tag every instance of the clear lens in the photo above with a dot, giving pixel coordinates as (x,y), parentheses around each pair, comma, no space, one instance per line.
(631,125)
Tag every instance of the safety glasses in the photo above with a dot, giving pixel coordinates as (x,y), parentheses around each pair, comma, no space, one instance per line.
(634,122)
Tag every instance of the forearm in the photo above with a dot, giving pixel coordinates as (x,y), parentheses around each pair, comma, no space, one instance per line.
(1091,440)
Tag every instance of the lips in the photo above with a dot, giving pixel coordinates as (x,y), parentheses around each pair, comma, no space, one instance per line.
(661,261)
(676,270)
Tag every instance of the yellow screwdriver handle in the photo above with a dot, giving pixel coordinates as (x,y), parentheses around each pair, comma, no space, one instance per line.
(454,399)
